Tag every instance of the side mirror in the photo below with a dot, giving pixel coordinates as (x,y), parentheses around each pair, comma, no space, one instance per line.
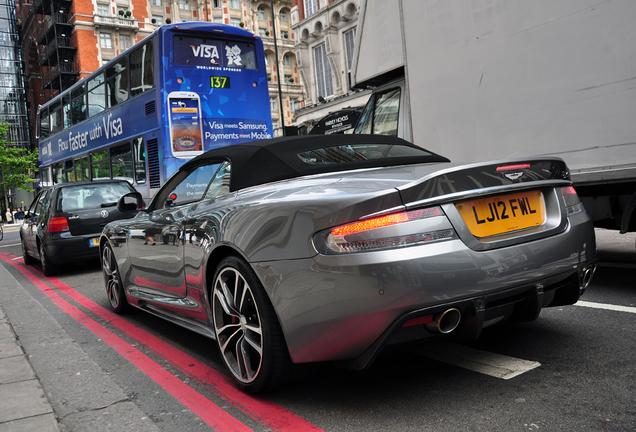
(130,203)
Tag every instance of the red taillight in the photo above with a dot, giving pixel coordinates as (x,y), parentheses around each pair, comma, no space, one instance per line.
(569,190)
(513,167)
(384,221)
(343,239)
(57,224)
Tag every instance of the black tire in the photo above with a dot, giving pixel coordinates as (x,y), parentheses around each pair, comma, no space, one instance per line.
(28,259)
(248,334)
(112,282)
(48,267)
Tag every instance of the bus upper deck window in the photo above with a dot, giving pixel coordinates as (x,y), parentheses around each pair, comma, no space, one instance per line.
(44,124)
(66,110)
(96,95)
(117,82)
(78,104)
(141,70)
(56,117)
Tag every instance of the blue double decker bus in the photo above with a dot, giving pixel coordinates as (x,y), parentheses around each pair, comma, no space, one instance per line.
(183,90)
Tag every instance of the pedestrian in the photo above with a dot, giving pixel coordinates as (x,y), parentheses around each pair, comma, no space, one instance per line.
(9,216)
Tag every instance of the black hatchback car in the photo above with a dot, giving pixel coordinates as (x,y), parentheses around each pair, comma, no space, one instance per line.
(64,222)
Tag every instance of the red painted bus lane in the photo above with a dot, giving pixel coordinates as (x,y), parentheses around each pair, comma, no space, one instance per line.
(268,414)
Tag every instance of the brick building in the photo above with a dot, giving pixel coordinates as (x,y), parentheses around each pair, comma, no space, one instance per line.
(65,40)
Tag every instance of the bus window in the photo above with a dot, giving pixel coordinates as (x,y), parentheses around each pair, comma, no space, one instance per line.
(66,110)
(78,104)
(58,173)
(85,170)
(117,82)
(68,168)
(45,180)
(44,124)
(99,165)
(56,117)
(141,70)
(121,162)
(78,170)
(96,95)
(140,160)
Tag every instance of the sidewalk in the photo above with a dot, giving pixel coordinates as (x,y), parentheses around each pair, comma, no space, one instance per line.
(23,404)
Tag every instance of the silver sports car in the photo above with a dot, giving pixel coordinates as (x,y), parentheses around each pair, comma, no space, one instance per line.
(330,248)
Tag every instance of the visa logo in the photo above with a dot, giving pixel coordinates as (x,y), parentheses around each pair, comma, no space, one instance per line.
(205,51)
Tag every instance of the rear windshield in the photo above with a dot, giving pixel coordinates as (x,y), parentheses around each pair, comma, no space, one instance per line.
(209,53)
(358,152)
(91,196)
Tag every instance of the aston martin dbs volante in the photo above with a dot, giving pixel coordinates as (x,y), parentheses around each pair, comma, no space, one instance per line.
(329,248)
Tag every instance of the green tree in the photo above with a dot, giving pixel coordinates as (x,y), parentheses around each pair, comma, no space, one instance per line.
(15,164)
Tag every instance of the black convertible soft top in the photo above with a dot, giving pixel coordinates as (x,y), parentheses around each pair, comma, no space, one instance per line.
(265,161)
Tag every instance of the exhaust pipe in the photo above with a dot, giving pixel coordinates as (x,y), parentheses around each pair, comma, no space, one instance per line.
(444,322)
(585,277)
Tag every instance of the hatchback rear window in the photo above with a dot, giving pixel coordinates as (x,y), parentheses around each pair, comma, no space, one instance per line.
(91,196)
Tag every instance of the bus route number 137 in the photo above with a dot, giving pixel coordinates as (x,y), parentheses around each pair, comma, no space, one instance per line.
(220,82)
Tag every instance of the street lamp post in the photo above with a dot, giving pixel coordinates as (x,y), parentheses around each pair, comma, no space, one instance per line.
(280,92)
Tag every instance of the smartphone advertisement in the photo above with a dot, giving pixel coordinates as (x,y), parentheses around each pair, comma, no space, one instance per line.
(185,124)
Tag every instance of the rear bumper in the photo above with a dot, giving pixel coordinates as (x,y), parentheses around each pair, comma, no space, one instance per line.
(69,249)
(348,307)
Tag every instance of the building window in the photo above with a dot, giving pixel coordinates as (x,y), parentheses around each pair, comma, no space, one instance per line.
(272,104)
(184,4)
(311,7)
(284,34)
(266,59)
(261,32)
(349,40)
(217,4)
(261,13)
(323,72)
(155,2)
(294,104)
(286,60)
(275,124)
(234,4)
(125,42)
(158,19)
(106,41)
(218,20)
(103,9)
(289,79)
(235,22)
(283,16)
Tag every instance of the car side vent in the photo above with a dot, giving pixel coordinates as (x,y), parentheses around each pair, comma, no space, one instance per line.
(150,108)
(154,171)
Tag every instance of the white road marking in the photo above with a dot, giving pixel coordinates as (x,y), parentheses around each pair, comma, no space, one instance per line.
(495,365)
(9,245)
(606,306)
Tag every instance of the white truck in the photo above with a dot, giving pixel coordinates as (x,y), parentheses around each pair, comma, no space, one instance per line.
(480,80)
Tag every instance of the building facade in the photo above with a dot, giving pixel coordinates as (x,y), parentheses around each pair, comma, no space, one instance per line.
(325,45)
(65,40)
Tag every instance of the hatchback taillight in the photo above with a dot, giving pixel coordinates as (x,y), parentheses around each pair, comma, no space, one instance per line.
(57,224)
(573,204)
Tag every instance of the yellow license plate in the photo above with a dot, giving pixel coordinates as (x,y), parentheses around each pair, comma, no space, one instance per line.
(502,214)
(93,242)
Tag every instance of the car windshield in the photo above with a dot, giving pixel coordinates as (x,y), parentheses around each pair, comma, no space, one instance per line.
(358,152)
(91,196)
